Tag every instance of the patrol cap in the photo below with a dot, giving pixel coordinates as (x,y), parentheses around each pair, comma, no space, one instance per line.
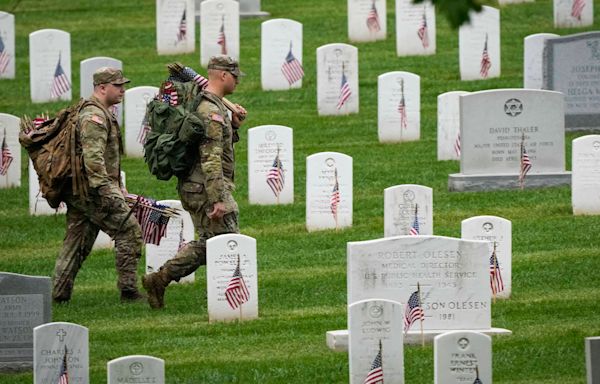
(225,63)
(107,75)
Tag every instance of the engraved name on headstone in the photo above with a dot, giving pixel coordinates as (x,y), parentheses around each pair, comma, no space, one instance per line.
(408,210)
(136,369)
(398,107)
(462,357)
(219,29)
(337,79)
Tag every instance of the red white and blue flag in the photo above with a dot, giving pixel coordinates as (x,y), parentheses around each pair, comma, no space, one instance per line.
(291,68)
(275,176)
(375,375)
(63,374)
(402,108)
(152,218)
(182,28)
(577,8)
(344,91)
(486,63)
(4,57)
(413,310)
(373,19)
(236,292)
(423,32)
(457,145)
(221,38)
(60,82)
(525,162)
(496,282)
(144,130)
(414,228)
(6,156)
(335,197)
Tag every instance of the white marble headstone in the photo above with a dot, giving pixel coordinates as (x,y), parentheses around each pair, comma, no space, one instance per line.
(53,343)
(10,162)
(222,255)
(400,203)
(136,369)
(367,20)
(573,13)
(87,68)
(270,181)
(7,39)
(281,54)
(462,357)
(50,65)
(477,62)
(533,59)
(337,79)
(415,28)
(452,274)
(495,230)
(175,26)
(398,107)
(37,204)
(135,100)
(585,185)
(448,125)
(219,29)
(371,322)
(180,231)
(328,201)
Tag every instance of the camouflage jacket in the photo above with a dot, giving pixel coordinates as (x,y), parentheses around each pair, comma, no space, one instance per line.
(102,147)
(215,170)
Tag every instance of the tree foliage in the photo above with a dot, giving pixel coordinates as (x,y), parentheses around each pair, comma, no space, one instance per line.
(457,11)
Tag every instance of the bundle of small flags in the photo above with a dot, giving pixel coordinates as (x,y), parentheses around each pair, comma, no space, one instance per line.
(153,217)
(184,74)
(28,125)
(168,94)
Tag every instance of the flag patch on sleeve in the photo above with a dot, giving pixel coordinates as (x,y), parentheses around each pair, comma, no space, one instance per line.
(217,117)
(97,119)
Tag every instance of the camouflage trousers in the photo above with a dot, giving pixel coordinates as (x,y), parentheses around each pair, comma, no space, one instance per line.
(195,201)
(84,220)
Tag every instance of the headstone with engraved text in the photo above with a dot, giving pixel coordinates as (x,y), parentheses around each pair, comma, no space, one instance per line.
(175,27)
(479,45)
(50,65)
(337,79)
(136,369)
(408,210)
(367,20)
(219,29)
(585,188)
(398,107)
(573,13)
(462,357)
(281,54)
(136,99)
(415,28)
(7,40)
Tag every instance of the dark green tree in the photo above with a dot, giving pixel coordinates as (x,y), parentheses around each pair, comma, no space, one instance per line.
(457,11)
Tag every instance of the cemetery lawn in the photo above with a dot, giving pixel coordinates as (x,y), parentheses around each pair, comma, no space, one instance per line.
(302,276)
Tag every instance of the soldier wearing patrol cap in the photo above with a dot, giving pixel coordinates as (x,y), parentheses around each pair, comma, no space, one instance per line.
(105,207)
(206,193)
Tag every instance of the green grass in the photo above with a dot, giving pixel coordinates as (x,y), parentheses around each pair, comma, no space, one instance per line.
(302,276)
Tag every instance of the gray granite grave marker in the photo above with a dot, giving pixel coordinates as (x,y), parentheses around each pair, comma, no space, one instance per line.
(592,359)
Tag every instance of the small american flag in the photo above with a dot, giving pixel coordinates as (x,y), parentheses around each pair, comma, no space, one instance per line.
(144,130)
(39,120)
(291,68)
(60,83)
(525,162)
(335,196)
(495,276)
(63,374)
(373,19)
(221,38)
(182,29)
(577,8)
(344,91)
(6,156)
(486,63)
(414,228)
(4,57)
(188,74)
(151,217)
(375,375)
(422,32)
(413,310)
(275,176)
(402,107)
(236,292)
(457,145)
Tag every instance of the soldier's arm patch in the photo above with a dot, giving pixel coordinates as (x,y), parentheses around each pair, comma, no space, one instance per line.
(97,119)
(217,117)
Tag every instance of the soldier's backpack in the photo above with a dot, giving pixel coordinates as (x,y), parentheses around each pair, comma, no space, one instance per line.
(55,150)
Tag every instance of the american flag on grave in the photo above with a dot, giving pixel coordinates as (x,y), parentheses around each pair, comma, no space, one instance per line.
(275,176)
(373,19)
(413,310)
(525,162)
(291,68)
(6,156)
(457,145)
(182,29)
(63,374)
(496,282)
(402,107)
(4,57)
(151,217)
(414,227)
(60,81)
(423,31)
(144,130)
(375,375)
(345,91)
(577,8)
(221,37)
(335,197)
(486,63)
(236,292)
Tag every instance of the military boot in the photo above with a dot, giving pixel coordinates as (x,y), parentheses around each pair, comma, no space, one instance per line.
(130,296)
(155,284)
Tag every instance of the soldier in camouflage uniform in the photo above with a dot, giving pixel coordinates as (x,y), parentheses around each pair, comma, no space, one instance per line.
(105,207)
(206,193)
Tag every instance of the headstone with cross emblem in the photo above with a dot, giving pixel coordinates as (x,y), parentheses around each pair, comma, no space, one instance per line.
(408,210)
(60,349)
(398,107)
(270,165)
(571,66)
(50,65)
(87,68)
(136,369)
(10,160)
(367,20)
(337,79)
(503,130)
(375,346)
(479,45)
(175,26)
(462,357)
(281,54)
(448,125)
(415,28)
(219,29)
(25,303)
(180,231)
(573,13)
(135,101)
(232,279)
(328,191)
(585,188)
(7,45)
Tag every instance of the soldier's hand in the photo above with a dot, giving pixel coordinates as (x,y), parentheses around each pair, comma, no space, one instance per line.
(239,116)
(218,211)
